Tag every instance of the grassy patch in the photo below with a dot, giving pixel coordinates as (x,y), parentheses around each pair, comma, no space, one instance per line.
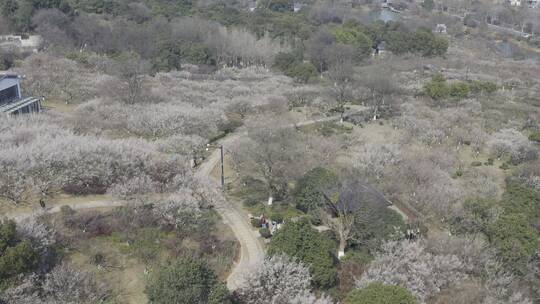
(327,128)
(59,106)
(122,247)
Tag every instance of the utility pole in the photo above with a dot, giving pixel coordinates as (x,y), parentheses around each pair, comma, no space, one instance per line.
(222,170)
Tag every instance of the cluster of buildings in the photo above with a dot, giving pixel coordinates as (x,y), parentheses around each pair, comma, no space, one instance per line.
(529,3)
(25,43)
(12,102)
(296,6)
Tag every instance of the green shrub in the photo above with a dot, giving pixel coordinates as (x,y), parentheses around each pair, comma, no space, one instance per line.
(511,232)
(535,136)
(515,239)
(66,212)
(81,57)
(255,222)
(146,245)
(428,5)
(265,233)
(490,161)
(379,226)
(276,215)
(354,34)
(438,78)
(327,129)
(186,281)
(520,198)
(98,259)
(281,6)
(219,295)
(437,88)
(284,61)
(301,241)
(16,256)
(489,87)
(251,202)
(470,21)
(308,194)
(302,72)
(18,259)
(378,293)
(424,42)
(477,86)
(458,89)
(315,220)
(361,257)
(476,163)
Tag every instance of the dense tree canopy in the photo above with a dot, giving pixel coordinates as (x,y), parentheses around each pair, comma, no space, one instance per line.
(148,83)
(17,256)
(301,241)
(422,42)
(351,34)
(515,239)
(186,281)
(512,229)
(309,190)
(377,293)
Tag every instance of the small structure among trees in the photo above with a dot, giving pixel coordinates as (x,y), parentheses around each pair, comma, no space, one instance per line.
(11,100)
(441,28)
(25,43)
(356,204)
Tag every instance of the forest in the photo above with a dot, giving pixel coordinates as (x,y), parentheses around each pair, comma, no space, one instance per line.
(271,151)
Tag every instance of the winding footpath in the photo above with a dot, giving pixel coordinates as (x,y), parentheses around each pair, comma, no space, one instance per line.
(251,249)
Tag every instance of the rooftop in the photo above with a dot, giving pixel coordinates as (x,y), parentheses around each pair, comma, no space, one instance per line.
(358,195)
(8,76)
(16,105)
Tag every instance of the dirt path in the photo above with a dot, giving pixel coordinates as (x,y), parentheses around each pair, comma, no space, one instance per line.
(75,206)
(251,249)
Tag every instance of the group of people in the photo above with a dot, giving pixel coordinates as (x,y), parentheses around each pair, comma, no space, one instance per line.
(412,234)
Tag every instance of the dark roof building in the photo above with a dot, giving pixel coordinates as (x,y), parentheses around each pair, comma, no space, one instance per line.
(9,88)
(357,196)
(12,101)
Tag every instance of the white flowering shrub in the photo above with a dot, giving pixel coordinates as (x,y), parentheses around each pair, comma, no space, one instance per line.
(140,184)
(413,267)
(278,280)
(431,265)
(63,285)
(456,126)
(39,155)
(181,210)
(373,159)
(512,144)
(40,235)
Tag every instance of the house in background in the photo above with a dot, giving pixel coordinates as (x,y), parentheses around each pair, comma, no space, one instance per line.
(441,28)
(379,48)
(24,43)
(297,6)
(534,3)
(12,101)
